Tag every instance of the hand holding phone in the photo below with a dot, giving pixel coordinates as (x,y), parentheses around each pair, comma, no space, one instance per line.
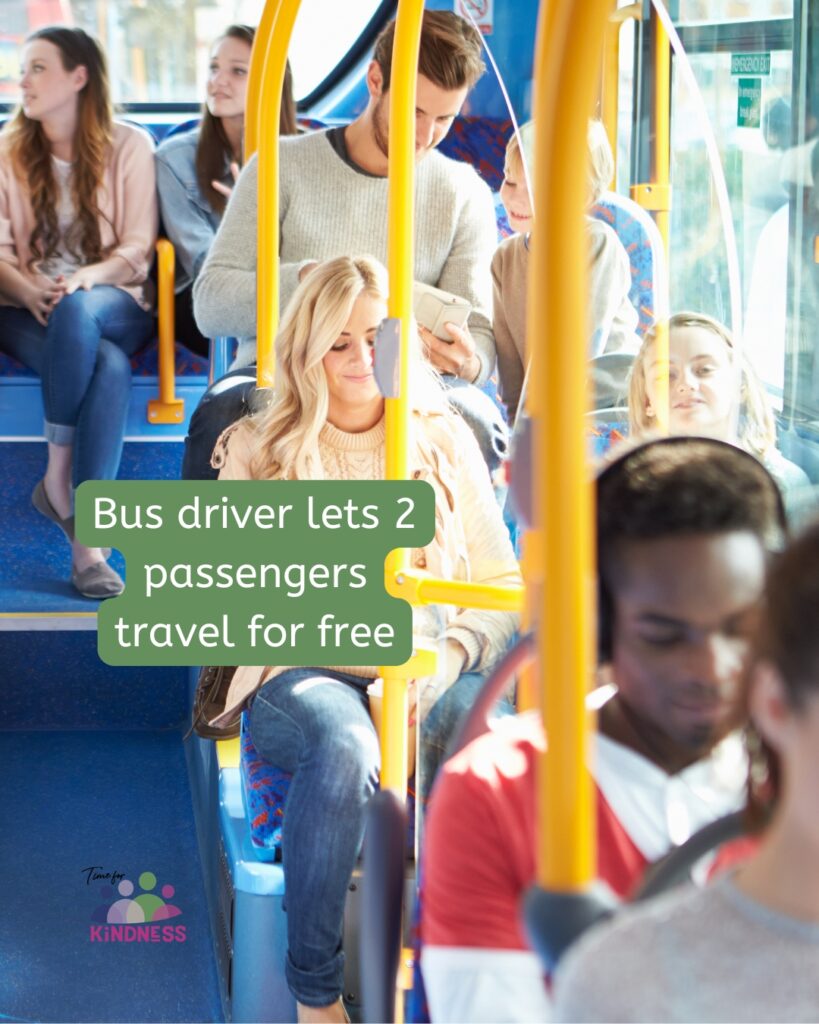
(433,307)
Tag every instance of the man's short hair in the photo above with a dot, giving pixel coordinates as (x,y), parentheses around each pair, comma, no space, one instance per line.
(450,54)
(679,487)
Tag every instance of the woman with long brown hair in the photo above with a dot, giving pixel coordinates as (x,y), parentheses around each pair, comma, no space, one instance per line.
(196,170)
(78,222)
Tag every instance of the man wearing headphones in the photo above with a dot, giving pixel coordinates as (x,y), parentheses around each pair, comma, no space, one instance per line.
(684,527)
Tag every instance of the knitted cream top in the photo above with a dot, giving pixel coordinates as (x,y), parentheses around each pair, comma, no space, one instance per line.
(471,541)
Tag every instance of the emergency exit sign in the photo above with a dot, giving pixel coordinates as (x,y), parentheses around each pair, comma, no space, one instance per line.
(750,64)
(749,103)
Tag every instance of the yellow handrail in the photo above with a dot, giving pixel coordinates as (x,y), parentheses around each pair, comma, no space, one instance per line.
(258,55)
(419,588)
(568,52)
(267,266)
(610,103)
(400,262)
(167,408)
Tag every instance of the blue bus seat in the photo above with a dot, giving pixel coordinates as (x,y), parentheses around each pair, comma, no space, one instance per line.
(644,246)
(480,141)
(264,794)
(143,363)
(606,429)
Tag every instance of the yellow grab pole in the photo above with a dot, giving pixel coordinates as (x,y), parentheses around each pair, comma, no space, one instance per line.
(655,194)
(661,176)
(661,171)
(167,408)
(610,106)
(400,263)
(267,268)
(610,100)
(569,47)
(258,55)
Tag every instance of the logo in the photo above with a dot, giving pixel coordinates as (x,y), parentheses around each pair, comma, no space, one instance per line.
(128,916)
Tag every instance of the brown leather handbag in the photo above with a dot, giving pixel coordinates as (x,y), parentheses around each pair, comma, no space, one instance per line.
(209,701)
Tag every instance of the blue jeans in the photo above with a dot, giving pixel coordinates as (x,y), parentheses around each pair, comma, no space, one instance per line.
(82,358)
(232,397)
(315,723)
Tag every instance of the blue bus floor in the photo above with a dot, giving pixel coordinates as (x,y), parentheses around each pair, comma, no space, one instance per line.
(77,805)
(35,568)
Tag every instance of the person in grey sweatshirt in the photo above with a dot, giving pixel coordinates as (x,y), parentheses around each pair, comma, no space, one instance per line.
(333,200)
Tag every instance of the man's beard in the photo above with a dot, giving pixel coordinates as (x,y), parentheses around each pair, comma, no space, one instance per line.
(380,133)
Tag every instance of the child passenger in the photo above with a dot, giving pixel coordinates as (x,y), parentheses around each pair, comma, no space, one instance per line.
(326,421)
(612,319)
(78,223)
(196,170)
(713,391)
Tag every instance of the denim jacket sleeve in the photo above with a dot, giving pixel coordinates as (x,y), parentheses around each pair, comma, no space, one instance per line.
(187,217)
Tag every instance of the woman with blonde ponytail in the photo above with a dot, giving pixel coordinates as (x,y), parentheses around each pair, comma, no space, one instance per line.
(325,420)
(78,222)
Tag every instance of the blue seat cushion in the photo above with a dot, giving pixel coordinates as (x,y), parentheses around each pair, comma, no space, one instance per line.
(144,363)
(264,792)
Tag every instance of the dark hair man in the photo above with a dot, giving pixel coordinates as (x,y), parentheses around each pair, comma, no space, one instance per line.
(333,200)
(683,529)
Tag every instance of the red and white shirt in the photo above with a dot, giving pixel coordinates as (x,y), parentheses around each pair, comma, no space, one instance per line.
(479,856)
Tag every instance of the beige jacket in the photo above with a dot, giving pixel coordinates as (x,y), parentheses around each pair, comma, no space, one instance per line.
(471,541)
(127,202)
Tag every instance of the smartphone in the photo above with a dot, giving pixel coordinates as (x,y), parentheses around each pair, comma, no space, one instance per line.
(433,307)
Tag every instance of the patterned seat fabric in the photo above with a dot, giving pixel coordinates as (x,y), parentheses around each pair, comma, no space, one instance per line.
(480,141)
(143,364)
(264,792)
(641,240)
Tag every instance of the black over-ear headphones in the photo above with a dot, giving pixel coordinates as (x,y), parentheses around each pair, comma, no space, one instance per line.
(608,479)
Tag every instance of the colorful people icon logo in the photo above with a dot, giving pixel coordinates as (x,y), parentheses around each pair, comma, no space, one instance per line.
(145,908)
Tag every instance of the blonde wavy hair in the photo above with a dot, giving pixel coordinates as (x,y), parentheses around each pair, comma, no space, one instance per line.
(756,430)
(30,153)
(287,430)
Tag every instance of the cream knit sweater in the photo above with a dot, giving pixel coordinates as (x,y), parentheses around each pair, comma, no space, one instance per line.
(327,209)
(471,541)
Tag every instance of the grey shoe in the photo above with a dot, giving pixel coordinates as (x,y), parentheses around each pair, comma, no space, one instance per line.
(98,581)
(39,499)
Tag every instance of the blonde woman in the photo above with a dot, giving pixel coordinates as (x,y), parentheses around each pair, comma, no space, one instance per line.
(713,391)
(78,222)
(326,421)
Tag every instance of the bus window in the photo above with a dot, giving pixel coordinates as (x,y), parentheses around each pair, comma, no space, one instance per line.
(691,11)
(148,64)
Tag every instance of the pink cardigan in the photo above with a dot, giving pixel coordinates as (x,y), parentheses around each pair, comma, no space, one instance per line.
(127,199)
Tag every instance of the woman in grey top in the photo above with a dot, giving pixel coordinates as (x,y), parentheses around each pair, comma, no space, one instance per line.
(747,947)
(196,169)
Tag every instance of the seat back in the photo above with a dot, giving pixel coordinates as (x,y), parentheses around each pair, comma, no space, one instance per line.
(644,247)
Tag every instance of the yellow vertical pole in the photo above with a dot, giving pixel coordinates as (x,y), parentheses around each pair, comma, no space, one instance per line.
(610,105)
(400,263)
(568,52)
(258,55)
(610,100)
(661,156)
(661,175)
(267,272)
